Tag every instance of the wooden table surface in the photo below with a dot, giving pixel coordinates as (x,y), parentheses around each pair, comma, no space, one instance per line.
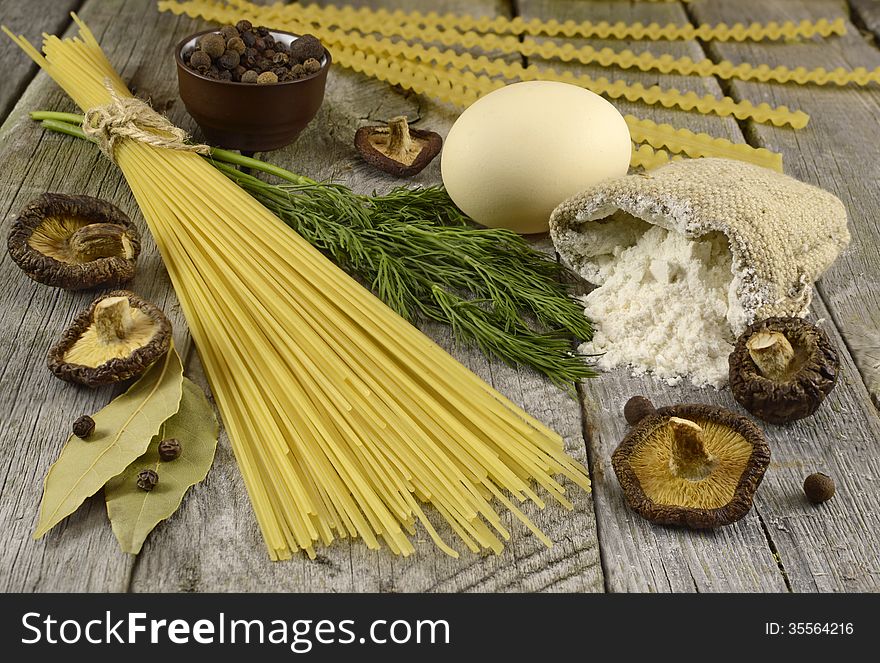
(213,543)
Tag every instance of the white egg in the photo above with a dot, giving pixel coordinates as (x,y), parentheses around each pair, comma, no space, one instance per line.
(518,152)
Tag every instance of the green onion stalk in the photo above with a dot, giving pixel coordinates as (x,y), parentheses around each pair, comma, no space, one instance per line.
(425,259)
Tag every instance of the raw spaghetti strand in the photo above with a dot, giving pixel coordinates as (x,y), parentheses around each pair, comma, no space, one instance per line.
(343,418)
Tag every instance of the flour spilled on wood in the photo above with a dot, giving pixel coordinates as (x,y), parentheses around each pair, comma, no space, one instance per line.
(663,306)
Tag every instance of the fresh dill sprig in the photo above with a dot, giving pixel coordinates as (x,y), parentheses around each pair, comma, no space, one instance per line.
(426,260)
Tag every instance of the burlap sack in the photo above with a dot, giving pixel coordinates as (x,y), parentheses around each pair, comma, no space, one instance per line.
(783,234)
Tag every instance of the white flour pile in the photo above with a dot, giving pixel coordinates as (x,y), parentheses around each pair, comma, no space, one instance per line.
(663,306)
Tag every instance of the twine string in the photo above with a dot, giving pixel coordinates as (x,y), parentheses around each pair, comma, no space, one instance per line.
(132,118)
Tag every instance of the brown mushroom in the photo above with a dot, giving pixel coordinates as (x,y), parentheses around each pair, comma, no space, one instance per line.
(115,339)
(781,369)
(691,465)
(74,242)
(397,148)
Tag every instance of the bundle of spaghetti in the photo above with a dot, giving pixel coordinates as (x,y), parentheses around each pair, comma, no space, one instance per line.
(415,23)
(462,88)
(343,417)
(326,19)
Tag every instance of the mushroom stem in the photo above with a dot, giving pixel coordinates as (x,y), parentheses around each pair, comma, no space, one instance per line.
(689,460)
(772,354)
(99,240)
(113,319)
(399,139)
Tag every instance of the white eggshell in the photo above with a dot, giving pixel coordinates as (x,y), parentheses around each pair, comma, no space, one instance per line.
(518,152)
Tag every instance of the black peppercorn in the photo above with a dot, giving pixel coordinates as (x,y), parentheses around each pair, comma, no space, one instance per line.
(229,32)
(169,449)
(280,58)
(212,44)
(147,480)
(243,25)
(229,60)
(250,76)
(260,44)
(636,409)
(225,75)
(236,44)
(311,66)
(249,39)
(305,47)
(84,427)
(819,488)
(200,60)
(269,39)
(269,53)
(262,31)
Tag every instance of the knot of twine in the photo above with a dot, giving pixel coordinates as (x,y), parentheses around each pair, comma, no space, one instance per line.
(130,117)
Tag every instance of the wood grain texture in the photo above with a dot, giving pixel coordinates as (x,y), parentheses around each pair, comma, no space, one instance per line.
(761,552)
(33,16)
(229,540)
(636,555)
(37,409)
(839,150)
(213,542)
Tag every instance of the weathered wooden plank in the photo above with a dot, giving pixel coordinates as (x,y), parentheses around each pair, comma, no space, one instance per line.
(866,14)
(81,554)
(35,16)
(227,553)
(636,555)
(742,557)
(839,150)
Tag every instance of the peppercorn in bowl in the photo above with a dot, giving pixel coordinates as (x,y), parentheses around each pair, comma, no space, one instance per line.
(251,88)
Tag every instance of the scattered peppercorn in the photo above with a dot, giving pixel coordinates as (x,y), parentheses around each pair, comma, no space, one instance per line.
(84,427)
(819,488)
(636,409)
(147,480)
(169,449)
(237,50)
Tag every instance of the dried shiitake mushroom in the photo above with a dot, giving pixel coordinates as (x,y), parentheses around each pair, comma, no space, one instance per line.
(692,465)
(117,338)
(397,148)
(74,242)
(781,369)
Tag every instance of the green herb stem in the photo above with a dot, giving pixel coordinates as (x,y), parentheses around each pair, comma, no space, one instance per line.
(425,259)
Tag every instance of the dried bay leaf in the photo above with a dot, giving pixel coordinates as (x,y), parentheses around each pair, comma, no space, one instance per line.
(123,430)
(134,512)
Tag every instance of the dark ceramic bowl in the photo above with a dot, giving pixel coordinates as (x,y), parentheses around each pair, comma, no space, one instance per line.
(248,116)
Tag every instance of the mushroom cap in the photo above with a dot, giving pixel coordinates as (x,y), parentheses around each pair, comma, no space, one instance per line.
(814,371)
(642,465)
(81,356)
(39,242)
(429,142)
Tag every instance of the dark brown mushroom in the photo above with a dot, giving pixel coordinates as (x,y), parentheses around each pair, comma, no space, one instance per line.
(781,369)
(396,148)
(691,465)
(74,242)
(117,338)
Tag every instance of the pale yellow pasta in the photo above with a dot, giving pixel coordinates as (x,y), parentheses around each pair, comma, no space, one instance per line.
(343,418)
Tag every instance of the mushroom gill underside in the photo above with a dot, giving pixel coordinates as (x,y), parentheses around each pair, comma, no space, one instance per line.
(671,472)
